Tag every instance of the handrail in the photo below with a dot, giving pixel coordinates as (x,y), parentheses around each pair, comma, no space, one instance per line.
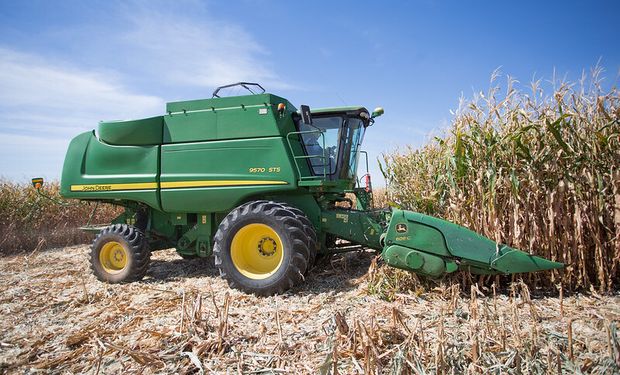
(359,179)
(242,84)
(296,157)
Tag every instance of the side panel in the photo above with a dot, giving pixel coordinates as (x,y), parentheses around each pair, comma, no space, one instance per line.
(252,116)
(217,176)
(190,127)
(355,226)
(95,170)
(217,124)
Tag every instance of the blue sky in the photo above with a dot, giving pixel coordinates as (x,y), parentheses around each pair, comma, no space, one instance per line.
(65,65)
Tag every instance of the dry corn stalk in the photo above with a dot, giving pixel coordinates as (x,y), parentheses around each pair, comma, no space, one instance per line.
(537,172)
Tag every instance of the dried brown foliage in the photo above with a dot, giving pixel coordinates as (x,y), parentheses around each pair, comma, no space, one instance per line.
(538,172)
(380,198)
(30,222)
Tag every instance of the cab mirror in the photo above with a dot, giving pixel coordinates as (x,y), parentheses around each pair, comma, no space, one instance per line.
(37,183)
(377,112)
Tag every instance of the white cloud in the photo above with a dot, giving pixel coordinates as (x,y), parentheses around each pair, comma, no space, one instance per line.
(36,95)
(43,105)
(208,53)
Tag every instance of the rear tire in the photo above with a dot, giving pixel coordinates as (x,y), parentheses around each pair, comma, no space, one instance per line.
(120,254)
(264,247)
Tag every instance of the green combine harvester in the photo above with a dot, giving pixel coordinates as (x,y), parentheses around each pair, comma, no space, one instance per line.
(262,186)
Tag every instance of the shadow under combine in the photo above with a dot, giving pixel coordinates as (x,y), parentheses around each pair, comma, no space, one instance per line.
(332,273)
(169,270)
(336,273)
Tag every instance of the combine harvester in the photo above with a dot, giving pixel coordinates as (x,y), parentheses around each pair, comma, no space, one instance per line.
(261,185)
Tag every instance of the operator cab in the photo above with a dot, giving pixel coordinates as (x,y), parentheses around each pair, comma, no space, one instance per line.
(332,139)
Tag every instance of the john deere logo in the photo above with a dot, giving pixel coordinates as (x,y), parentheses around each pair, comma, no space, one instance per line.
(401,228)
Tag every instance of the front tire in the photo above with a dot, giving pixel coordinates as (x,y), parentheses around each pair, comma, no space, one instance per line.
(263,247)
(119,254)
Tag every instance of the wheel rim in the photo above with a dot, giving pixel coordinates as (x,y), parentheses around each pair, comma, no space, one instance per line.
(113,257)
(256,251)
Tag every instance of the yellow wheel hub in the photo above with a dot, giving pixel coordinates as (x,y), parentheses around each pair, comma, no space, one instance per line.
(256,251)
(113,257)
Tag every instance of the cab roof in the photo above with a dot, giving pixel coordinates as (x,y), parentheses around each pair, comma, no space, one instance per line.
(352,110)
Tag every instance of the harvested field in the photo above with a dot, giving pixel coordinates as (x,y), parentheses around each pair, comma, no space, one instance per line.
(184,319)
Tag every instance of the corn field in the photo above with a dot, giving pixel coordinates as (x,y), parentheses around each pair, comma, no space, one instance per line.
(533,168)
(30,222)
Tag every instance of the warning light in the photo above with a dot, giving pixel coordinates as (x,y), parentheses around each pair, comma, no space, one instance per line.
(37,183)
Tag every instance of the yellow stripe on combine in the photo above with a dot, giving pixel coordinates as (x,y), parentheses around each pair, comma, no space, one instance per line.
(189,184)
(112,187)
(173,184)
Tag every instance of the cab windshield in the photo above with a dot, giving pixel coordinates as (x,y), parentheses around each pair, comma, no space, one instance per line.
(333,142)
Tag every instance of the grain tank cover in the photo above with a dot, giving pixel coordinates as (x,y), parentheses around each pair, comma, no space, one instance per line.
(248,116)
(234,117)
(143,132)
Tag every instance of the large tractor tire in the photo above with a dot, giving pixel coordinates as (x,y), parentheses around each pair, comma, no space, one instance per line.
(313,241)
(264,247)
(119,254)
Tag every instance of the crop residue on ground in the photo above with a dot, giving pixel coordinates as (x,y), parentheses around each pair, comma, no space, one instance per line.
(184,319)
